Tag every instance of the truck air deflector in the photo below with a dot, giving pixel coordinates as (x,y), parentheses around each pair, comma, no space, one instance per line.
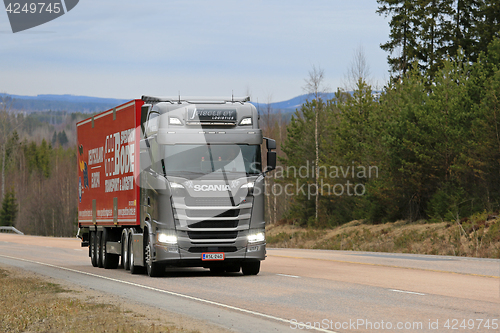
(187,136)
(195,100)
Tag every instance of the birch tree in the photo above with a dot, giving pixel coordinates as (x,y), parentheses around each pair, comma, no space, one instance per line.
(315,86)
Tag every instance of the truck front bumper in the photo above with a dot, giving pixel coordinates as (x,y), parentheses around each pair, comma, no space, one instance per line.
(184,257)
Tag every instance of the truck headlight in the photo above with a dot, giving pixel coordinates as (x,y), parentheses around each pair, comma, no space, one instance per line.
(246,121)
(248,186)
(177,189)
(174,121)
(256,236)
(166,238)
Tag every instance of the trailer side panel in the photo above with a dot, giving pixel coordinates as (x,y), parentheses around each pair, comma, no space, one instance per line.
(108,164)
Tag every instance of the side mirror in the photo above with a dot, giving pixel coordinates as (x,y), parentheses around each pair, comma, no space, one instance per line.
(271,160)
(270,144)
(144,115)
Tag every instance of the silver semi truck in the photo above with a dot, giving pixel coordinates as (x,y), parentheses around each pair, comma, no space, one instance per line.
(174,182)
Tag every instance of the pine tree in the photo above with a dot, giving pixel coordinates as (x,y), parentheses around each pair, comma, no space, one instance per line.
(463,27)
(9,209)
(434,34)
(300,149)
(403,33)
(487,25)
(54,139)
(62,138)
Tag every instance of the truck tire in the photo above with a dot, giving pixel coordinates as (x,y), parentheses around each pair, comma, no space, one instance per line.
(233,268)
(93,248)
(109,260)
(251,268)
(98,248)
(154,269)
(125,252)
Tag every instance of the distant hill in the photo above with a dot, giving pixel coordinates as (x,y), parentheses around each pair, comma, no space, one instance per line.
(87,104)
(292,104)
(70,103)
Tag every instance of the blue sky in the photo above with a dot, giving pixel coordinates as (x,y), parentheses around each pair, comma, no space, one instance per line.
(124,48)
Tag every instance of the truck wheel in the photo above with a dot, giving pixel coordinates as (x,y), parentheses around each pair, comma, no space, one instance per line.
(98,248)
(109,260)
(154,269)
(251,268)
(125,252)
(93,248)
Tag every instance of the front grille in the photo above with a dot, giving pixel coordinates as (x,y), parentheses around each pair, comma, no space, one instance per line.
(212,234)
(213,249)
(224,201)
(215,224)
(214,213)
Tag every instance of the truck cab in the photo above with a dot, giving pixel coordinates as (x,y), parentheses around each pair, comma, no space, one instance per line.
(202,186)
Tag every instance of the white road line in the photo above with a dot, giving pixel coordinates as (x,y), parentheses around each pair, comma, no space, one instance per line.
(293,276)
(408,292)
(287,321)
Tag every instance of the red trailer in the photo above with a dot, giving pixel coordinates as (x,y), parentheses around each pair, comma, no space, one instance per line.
(108,163)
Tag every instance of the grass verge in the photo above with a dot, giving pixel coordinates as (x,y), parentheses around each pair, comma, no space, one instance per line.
(478,236)
(29,304)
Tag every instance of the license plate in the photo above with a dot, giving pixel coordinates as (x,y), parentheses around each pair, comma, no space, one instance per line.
(212,256)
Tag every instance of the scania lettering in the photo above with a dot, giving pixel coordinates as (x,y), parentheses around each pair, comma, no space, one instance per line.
(174,182)
(212,188)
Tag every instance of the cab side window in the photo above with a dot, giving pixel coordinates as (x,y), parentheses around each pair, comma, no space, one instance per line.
(152,123)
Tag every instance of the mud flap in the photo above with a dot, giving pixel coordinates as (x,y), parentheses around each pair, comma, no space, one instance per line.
(138,248)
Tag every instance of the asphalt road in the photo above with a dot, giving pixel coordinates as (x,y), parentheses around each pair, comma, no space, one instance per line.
(296,290)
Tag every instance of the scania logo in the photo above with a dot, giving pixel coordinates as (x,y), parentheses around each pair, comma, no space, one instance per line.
(207,188)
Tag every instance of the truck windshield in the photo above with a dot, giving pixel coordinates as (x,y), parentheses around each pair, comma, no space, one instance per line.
(211,158)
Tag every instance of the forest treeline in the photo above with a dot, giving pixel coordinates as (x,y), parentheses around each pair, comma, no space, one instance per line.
(39,174)
(426,146)
(433,150)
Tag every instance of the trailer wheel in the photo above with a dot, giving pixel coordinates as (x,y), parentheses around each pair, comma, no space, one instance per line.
(125,252)
(93,248)
(251,268)
(109,260)
(154,269)
(98,243)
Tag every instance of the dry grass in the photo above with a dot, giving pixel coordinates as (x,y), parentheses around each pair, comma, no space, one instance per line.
(474,237)
(30,304)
